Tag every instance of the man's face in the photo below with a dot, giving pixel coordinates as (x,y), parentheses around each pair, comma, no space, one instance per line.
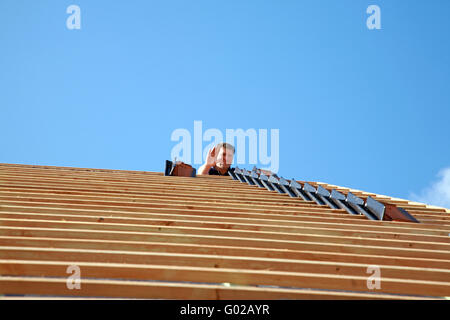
(224,158)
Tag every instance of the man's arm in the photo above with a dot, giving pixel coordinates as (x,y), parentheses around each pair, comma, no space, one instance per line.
(204,169)
(210,162)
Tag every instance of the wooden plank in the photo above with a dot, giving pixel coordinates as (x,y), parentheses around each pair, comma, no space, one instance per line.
(189,188)
(180,212)
(339,211)
(161,183)
(402,202)
(141,246)
(142,212)
(197,198)
(59,170)
(160,204)
(10,194)
(158,290)
(98,173)
(220,262)
(211,192)
(226,182)
(93,172)
(132,200)
(445,218)
(375,196)
(206,217)
(213,276)
(32,297)
(74,169)
(300,205)
(227,224)
(355,222)
(226,241)
(238,234)
(167,199)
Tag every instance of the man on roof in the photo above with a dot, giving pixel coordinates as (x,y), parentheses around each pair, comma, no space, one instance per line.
(218,160)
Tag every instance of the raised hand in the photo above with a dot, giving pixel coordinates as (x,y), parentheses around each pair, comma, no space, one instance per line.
(211,157)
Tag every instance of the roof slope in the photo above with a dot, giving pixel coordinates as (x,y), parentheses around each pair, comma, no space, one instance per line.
(137,234)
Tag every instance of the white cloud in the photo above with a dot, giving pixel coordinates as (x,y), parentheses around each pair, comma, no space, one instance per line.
(438,193)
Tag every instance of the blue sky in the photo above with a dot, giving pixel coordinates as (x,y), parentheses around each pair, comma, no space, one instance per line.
(367,109)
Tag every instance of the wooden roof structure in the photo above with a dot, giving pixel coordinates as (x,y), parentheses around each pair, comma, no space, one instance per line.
(136,234)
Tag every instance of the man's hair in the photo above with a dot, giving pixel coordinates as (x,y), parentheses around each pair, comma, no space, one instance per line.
(224,145)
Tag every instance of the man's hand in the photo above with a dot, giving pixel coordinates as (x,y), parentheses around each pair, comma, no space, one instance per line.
(211,157)
(210,161)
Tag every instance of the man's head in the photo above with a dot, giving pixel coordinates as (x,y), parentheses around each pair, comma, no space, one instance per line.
(224,155)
